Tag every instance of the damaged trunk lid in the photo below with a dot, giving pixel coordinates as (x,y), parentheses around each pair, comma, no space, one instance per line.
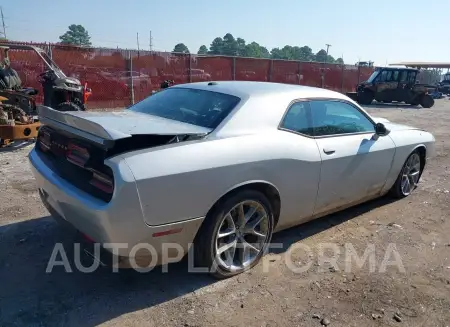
(74,145)
(106,129)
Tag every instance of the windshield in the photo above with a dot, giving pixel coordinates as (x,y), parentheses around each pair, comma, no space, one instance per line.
(372,77)
(192,106)
(51,63)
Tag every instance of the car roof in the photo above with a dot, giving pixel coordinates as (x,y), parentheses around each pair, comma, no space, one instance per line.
(248,89)
(263,103)
(397,68)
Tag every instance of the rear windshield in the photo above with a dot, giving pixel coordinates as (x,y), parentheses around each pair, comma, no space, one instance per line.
(192,106)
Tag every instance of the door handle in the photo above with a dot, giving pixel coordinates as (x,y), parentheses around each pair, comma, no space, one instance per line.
(329,151)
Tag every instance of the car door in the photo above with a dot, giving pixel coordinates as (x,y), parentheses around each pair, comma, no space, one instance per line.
(299,173)
(355,161)
(407,82)
(403,85)
(396,94)
(386,87)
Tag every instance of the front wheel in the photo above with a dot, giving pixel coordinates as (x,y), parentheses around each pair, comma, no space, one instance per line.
(426,101)
(68,106)
(365,97)
(409,176)
(235,235)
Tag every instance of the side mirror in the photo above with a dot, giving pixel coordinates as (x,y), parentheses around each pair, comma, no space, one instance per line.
(381,130)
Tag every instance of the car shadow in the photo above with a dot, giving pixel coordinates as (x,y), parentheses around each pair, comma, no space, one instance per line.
(16,145)
(29,296)
(295,234)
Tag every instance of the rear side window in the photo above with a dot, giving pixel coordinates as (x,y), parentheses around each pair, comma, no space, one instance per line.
(403,76)
(395,76)
(412,77)
(297,119)
(192,106)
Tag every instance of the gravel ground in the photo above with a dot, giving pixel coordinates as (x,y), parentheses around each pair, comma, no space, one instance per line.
(418,226)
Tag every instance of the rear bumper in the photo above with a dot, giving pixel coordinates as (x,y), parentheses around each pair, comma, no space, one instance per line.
(118,225)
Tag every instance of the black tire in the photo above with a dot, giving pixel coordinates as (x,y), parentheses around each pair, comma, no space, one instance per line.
(205,241)
(396,190)
(68,106)
(426,101)
(365,97)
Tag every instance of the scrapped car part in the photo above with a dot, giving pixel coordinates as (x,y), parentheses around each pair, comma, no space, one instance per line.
(60,92)
(444,85)
(15,124)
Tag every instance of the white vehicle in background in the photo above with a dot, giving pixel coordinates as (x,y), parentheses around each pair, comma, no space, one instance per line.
(139,79)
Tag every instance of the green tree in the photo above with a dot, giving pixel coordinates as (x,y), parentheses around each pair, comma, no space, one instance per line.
(230,45)
(76,35)
(276,53)
(305,54)
(321,56)
(181,48)
(203,50)
(216,47)
(330,59)
(287,53)
(340,61)
(255,50)
(241,47)
(264,52)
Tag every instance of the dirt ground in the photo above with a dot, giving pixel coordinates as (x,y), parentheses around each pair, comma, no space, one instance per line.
(418,226)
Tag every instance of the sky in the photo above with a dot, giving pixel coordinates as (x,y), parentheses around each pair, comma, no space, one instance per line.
(384,31)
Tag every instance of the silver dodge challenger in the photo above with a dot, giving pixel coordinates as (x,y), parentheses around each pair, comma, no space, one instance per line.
(216,167)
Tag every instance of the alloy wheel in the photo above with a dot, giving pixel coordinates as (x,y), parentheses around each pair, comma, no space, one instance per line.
(410,174)
(242,235)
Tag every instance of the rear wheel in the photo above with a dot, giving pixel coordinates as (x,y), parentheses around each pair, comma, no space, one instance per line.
(409,176)
(235,234)
(68,106)
(426,101)
(365,97)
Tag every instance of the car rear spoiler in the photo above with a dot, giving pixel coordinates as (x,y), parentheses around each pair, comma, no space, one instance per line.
(79,126)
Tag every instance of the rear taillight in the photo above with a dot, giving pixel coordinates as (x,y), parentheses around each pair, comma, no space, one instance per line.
(102,181)
(77,155)
(44,141)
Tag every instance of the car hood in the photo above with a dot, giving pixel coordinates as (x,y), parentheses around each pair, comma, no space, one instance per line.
(392,126)
(380,120)
(398,127)
(115,125)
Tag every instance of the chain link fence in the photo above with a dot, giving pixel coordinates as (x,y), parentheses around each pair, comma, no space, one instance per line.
(119,78)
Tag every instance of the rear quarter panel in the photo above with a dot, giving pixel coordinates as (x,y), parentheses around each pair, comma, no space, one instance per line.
(183,181)
(406,141)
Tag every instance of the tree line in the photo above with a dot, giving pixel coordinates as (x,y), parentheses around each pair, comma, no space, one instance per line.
(231,46)
(226,46)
